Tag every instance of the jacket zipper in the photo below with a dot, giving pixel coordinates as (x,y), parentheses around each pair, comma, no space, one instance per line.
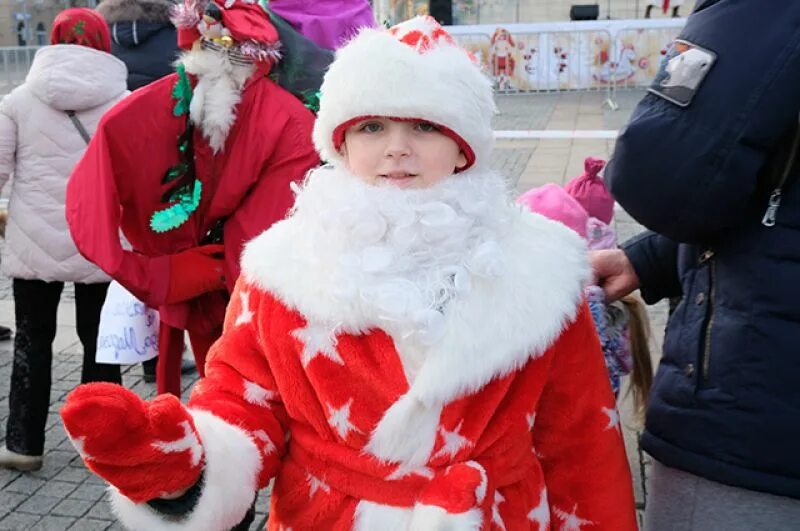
(706,360)
(775,198)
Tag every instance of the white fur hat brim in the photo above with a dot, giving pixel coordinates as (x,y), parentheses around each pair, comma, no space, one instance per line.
(376,74)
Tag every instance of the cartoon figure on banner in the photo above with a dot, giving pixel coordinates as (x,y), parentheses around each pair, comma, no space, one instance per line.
(622,69)
(544,71)
(501,55)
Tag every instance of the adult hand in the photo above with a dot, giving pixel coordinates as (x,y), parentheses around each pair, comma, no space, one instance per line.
(614,273)
(194,272)
(147,450)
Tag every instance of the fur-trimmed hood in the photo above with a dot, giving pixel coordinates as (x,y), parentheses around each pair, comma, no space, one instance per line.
(116,11)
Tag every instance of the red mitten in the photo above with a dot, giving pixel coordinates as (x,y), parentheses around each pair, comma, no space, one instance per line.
(146,450)
(195,271)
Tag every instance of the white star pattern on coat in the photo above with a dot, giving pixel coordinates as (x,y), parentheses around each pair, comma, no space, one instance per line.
(316,484)
(246,315)
(403,471)
(317,340)
(257,395)
(541,513)
(454,442)
(572,522)
(531,418)
(496,518)
(613,419)
(187,442)
(340,420)
(268,447)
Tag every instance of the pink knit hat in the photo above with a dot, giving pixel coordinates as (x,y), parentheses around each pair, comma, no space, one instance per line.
(551,201)
(591,192)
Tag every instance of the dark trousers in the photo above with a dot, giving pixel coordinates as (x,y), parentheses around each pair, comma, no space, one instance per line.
(35,305)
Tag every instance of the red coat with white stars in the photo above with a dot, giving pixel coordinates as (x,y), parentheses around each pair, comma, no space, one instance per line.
(508,423)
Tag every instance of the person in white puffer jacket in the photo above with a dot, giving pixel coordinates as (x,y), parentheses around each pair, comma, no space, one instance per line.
(40,143)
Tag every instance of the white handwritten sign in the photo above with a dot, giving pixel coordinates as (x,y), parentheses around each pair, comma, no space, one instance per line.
(128,330)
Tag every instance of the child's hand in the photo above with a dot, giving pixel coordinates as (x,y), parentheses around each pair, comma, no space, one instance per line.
(147,450)
(614,273)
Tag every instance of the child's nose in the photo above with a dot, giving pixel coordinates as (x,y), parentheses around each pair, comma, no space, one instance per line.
(398,145)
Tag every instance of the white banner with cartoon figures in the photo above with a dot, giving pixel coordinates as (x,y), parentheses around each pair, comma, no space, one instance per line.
(570,55)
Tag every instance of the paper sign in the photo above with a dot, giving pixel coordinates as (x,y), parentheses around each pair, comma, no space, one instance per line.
(128,331)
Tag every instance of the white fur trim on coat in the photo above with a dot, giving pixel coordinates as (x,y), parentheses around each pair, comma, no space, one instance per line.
(231,472)
(377,75)
(433,518)
(531,303)
(371,516)
(487,332)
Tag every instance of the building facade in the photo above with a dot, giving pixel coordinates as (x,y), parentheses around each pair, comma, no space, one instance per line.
(28,22)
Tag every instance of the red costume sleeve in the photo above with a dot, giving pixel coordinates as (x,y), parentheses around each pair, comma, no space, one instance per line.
(239,386)
(271,198)
(93,213)
(578,436)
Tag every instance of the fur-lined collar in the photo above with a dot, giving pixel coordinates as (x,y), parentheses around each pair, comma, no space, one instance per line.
(524,282)
(139,10)
(490,330)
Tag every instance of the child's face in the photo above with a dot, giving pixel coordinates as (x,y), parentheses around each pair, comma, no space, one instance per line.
(409,154)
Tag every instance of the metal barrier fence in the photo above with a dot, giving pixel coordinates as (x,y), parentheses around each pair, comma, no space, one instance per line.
(15,61)
(520,11)
(570,60)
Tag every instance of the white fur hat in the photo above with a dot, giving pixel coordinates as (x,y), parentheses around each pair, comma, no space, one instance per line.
(414,70)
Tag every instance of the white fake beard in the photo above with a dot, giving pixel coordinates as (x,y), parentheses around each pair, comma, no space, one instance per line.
(217,93)
(403,255)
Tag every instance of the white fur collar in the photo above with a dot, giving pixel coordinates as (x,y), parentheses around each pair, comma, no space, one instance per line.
(217,93)
(494,327)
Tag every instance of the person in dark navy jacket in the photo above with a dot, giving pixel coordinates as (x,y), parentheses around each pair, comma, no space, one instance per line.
(142,37)
(708,163)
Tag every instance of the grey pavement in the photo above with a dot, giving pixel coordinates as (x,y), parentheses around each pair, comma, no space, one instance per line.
(64,495)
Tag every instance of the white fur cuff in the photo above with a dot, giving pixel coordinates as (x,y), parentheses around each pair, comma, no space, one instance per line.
(231,472)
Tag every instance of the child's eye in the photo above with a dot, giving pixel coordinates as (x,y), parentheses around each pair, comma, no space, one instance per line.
(371,127)
(426,127)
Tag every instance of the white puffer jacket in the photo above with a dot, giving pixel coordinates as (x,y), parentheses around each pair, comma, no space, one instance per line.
(40,145)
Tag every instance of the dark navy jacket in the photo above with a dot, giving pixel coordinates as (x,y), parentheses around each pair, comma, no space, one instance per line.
(726,399)
(142,37)
(148,49)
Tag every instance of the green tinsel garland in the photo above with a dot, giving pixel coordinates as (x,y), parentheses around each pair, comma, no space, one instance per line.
(185,195)
(181,92)
(176,215)
(311,100)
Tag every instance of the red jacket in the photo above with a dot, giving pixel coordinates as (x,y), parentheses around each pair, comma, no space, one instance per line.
(117,185)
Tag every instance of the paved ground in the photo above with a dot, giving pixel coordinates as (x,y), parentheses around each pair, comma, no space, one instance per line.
(63,495)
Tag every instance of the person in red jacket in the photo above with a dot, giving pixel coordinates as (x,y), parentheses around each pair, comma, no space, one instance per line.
(407,351)
(189,168)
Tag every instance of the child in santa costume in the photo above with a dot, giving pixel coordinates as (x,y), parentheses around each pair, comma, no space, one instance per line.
(189,168)
(408,350)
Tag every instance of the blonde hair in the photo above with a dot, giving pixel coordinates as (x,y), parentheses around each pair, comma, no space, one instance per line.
(639,342)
